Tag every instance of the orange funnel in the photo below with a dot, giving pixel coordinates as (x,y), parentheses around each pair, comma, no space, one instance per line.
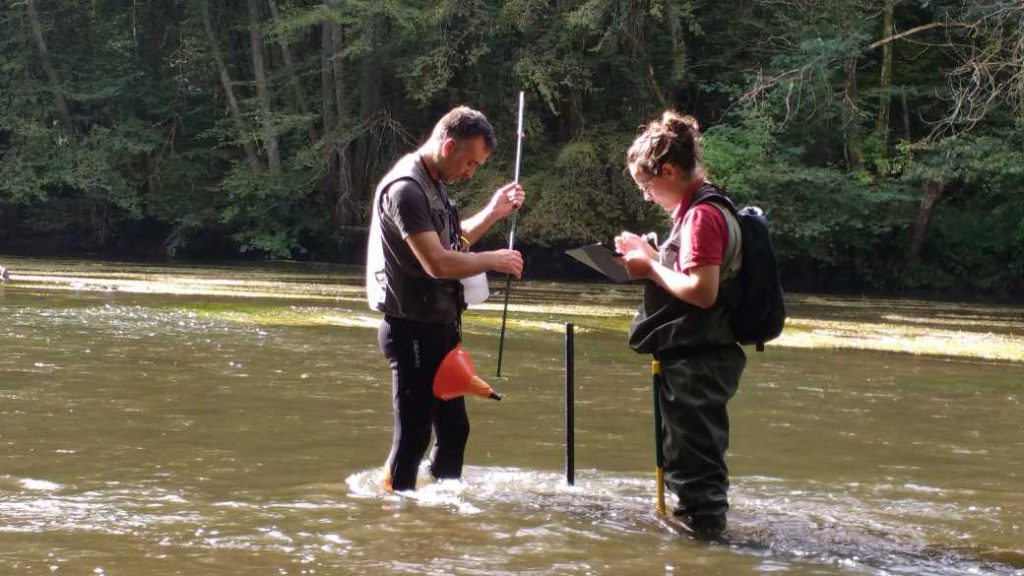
(456,376)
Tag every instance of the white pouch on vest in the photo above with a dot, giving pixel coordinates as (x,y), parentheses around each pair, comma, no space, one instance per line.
(475,289)
(375,278)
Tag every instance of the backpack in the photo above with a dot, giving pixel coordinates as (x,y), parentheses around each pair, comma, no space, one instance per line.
(760,313)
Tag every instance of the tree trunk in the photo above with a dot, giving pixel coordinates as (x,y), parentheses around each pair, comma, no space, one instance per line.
(344,208)
(327,77)
(293,79)
(906,115)
(370,88)
(933,190)
(854,152)
(338,75)
(262,91)
(575,117)
(225,82)
(652,80)
(51,74)
(327,114)
(885,82)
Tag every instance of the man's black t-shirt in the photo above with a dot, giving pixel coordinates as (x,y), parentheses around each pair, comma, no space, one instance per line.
(406,211)
(407,207)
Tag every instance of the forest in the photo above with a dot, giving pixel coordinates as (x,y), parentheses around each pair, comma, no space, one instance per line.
(884,138)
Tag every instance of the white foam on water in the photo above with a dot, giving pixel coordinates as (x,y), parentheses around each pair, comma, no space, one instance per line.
(611,501)
(40,485)
(430,492)
(923,489)
(858,528)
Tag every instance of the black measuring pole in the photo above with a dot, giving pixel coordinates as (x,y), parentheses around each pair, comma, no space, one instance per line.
(570,472)
(511,231)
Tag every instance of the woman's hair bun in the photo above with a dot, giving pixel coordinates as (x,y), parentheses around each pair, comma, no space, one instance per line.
(674,138)
(678,123)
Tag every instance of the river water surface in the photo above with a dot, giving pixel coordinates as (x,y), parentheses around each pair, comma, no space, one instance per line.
(203,434)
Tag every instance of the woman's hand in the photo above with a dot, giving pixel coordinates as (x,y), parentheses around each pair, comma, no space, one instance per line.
(627,242)
(638,264)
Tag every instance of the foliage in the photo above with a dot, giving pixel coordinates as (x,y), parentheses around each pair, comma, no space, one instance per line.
(139,128)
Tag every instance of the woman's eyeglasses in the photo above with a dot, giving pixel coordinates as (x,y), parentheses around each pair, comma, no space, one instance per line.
(647,186)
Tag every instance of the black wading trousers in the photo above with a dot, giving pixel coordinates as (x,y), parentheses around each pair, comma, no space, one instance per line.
(695,387)
(414,350)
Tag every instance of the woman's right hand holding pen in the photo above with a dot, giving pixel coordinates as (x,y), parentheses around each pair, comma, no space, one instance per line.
(638,256)
(627,242)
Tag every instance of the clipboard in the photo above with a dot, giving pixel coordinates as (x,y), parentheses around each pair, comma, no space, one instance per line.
(603,259)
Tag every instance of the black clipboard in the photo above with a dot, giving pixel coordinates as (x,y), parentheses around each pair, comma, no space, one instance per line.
(603,259)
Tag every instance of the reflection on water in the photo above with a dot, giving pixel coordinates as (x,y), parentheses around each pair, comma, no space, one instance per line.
(157,434)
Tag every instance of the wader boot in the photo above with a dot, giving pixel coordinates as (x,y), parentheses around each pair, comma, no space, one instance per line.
(695,387)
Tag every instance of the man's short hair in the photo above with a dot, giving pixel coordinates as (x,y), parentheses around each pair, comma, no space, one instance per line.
(462,123)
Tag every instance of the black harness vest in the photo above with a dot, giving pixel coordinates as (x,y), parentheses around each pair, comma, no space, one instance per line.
(404,289)
(664,322)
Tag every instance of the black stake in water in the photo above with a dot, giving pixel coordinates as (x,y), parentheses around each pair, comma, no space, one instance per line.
(570,472)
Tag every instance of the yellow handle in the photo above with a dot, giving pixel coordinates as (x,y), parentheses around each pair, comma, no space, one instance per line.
(660,477)
(659,473)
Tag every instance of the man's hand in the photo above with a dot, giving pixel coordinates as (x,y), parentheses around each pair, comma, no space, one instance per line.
(503,202)
(506,200)
(638,264)
(507,261)
(453,265)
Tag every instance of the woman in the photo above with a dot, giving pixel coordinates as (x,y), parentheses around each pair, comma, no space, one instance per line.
(684,319)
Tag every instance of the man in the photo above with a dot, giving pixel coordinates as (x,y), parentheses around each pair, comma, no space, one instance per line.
(418,251)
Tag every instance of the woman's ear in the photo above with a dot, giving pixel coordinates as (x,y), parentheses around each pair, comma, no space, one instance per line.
(670,172)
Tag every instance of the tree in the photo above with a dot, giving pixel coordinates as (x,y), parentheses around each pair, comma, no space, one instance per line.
(225,81)
(880,136)
(44,56)
(262,90)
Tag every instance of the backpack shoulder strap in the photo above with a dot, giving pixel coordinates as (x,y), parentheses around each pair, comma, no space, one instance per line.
(711,194)
(732,261)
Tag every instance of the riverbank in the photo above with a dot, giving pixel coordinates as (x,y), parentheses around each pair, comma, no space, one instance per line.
(324,294)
